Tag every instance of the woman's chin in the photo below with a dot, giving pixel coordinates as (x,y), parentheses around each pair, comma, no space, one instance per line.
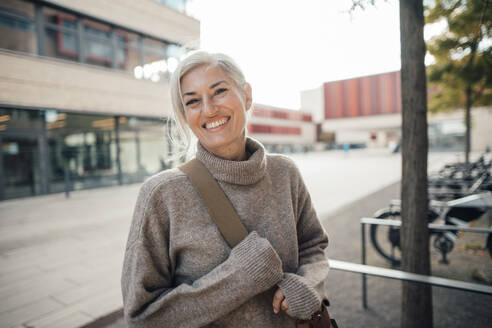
(225,147)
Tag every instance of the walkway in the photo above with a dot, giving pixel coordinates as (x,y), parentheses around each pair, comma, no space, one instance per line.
(60,259)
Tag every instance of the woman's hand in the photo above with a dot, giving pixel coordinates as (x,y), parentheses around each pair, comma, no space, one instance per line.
(280,302)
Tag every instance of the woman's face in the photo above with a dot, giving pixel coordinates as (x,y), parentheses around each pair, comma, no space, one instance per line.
(215,110)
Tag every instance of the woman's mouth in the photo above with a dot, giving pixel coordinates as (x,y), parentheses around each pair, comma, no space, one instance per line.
(217,123)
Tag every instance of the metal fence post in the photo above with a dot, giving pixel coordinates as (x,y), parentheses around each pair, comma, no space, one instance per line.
(67,180)
(364,278)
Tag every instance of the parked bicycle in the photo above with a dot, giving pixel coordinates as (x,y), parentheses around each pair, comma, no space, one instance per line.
(460,212)
(458,180)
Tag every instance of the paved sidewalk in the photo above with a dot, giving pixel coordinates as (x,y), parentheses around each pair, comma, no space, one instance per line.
(60,259)
(451,308)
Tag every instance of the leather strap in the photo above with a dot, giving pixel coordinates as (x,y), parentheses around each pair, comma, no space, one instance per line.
(216,201)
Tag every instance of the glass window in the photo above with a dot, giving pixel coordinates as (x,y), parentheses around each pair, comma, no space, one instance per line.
(179,5)
(84,145)
(447,135)
(97,43)
(153,145)
(176,51)
(80,146)
(19,135)
(127,51)
(60,35)
(155,64)
(129,151)
(17,26)
(20,121)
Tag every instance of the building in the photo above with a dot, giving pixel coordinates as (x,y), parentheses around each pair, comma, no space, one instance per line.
(84,92)
(282,130)
(366,111)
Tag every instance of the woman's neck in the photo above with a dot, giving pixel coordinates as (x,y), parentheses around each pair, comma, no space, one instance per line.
(234,152)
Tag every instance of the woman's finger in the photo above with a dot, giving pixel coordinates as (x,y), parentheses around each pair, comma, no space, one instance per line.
(285,305)
(277,300)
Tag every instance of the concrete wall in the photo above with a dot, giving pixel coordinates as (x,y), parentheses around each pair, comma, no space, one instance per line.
(51,83)
(363,123)
(481,135)
(359,129)
(147,16)
(313,101)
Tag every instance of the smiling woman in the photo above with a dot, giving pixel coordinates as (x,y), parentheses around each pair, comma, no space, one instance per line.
(178,270)
(215,110)
(226,83)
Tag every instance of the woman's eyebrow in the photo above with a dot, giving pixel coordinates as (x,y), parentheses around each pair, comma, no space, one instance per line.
(217,83)
(191,93)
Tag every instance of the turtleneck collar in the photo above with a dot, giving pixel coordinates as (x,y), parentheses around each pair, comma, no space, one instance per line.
(245,172)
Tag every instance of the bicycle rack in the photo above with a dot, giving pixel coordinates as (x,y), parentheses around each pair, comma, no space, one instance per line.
(407,276)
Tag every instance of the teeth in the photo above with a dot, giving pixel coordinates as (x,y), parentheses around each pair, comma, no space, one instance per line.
(216,123)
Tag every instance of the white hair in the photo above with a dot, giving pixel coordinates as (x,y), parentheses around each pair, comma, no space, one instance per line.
(182,136)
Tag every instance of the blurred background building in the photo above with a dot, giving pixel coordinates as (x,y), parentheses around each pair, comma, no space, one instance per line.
(84,98)
(83,87)
(282,130)
(84,93)
(366,111)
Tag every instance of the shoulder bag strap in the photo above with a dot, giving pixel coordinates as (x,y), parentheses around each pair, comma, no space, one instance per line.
(219,206)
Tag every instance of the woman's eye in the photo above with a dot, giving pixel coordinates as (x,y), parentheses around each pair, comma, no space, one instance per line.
(191,102)
(220,90)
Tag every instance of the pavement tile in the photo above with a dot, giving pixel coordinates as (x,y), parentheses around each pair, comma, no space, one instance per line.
(34,293)
(74,320)
(101,304)
(28,312)
(86,291)
(65,318)
(42,284)
(18,275)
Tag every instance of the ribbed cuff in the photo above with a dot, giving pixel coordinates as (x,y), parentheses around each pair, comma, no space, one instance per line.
(259,260)
(303,299)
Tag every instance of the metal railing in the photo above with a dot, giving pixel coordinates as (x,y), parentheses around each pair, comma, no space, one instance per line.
(402,275)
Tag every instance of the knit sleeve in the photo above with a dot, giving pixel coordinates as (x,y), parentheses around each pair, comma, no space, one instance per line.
(151,300)
(304,290)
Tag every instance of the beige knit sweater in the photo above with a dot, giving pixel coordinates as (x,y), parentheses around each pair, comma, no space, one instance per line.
(178,270)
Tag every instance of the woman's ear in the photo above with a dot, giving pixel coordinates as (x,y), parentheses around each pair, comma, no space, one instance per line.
(249,96)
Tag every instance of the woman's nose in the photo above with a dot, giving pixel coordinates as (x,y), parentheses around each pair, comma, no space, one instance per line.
(209,107)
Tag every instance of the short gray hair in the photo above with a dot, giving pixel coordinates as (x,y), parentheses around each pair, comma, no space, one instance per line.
(182,137)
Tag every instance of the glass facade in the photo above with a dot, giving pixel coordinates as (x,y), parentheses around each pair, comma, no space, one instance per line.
(20,160)
(447,135)
(43,30)
(47,151)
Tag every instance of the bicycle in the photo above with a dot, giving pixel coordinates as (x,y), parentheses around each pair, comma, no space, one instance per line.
(459,212)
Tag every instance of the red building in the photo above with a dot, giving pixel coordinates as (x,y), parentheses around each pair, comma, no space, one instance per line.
(368,95)
(364,110)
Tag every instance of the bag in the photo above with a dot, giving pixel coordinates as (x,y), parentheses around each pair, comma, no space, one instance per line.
(320,319)
(233,229)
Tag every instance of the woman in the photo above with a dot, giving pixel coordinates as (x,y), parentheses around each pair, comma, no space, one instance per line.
(178,269)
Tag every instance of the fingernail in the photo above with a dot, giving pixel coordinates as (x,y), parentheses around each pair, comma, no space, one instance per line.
(275,311)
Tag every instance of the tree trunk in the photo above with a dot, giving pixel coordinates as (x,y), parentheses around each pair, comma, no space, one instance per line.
(468,126)
(416,298)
